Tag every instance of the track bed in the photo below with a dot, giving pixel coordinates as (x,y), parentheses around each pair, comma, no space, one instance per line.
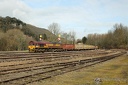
(40,66)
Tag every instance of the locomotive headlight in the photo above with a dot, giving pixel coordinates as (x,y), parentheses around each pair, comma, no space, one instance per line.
(37,46)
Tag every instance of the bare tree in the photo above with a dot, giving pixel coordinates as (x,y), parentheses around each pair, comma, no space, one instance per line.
(72,36)
(65,36)
(54,28)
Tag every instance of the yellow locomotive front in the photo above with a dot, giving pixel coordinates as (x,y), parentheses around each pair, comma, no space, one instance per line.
(31,46)
(39,46)
(34,46)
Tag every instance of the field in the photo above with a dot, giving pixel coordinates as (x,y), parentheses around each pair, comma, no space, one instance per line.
(112,72)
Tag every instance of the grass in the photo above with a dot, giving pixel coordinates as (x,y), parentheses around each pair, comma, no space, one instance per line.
(112,72)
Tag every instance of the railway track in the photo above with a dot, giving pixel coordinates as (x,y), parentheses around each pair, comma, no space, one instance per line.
(22,75)
(10,57)
(5,56)
(18,58)
(14,67)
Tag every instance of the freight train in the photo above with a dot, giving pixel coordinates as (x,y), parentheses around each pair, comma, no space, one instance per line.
(39,46)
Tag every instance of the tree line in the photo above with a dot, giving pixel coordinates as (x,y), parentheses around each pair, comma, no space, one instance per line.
(17,37)
(115,38)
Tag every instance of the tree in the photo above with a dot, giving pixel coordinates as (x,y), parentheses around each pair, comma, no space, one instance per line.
(119,33)
(3,44)
(16,39)
(54,28)
(1,34)
(84,39)
(65,36)
(72,37)
(44,37)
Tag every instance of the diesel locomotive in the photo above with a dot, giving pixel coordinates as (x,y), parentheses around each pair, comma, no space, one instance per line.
(39,46)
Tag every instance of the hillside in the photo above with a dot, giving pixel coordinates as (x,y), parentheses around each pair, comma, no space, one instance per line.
(16,34)
(7,23)
(36,31)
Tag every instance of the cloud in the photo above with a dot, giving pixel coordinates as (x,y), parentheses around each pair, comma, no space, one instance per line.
(14,8)
(78,15)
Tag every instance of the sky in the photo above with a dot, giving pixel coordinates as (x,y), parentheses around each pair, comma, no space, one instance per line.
(81,16)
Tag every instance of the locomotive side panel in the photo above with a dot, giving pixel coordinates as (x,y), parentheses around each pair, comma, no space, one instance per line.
(59,46)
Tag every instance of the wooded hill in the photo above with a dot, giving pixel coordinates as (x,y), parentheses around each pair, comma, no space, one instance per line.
(8,23)
(15,34)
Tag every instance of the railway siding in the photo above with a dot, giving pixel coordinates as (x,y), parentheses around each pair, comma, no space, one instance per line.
(27,73)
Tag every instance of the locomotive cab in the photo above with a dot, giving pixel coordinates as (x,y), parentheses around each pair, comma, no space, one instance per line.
(35,46)
(31,46)
(42,46)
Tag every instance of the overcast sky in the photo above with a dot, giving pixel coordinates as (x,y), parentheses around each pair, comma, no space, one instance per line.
(82,16)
